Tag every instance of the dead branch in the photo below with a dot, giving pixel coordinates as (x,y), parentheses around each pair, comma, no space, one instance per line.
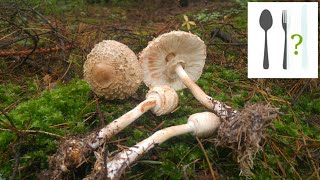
(39,50)
(8,118)
(98,111)
(17,157)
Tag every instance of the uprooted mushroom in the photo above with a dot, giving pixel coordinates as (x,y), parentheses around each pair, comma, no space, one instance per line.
(177,59)
(73,152)
(244,134)
(113,71)
(200,124)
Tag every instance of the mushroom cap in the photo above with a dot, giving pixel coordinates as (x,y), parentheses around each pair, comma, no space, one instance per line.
(159,58)
(112,70)
(166,99)
(204,123)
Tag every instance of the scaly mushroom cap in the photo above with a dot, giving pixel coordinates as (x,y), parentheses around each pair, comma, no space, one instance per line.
(158,60)
(112,70)
(166,99)
(204,123)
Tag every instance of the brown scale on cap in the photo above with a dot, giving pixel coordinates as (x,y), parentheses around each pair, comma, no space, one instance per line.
(112,70)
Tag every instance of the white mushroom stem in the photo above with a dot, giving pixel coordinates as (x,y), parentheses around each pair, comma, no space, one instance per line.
(200,124)
(160,100)
(221,109)
(119,124)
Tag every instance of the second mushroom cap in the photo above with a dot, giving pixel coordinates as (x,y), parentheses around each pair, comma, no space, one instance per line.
(158,60)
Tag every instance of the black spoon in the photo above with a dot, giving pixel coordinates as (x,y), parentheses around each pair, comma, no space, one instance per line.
(266,23)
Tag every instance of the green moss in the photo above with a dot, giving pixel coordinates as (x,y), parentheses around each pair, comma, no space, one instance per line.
(9,94)
(63,110)
(64,105)
(240,20)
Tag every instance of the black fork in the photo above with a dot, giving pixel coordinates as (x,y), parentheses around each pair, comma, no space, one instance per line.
(284,26)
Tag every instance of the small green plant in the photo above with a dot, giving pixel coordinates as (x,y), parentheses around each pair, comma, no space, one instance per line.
(187,22)
(206,16)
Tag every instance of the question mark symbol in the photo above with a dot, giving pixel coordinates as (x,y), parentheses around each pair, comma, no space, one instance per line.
(300,41)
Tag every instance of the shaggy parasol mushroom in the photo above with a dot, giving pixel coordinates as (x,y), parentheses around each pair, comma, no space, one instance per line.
(244,134)
(73,152)
(112,70)
(200,124)
(177,59)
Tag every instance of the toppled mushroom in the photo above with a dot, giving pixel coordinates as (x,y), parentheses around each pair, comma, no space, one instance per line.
(177,59)
(73,152)
(244,134)
(112,70)
(200,124)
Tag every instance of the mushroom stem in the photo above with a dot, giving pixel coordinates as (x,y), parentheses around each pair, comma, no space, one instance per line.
(126,157)
(72,152)
(200,124)
(119,124)
(221,109)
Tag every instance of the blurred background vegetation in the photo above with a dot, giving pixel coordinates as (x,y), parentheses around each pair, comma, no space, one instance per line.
(44,43)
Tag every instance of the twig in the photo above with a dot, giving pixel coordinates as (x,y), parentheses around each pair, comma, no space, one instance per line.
(65,73)
(35,131)
(294,100)
(20,39)
(35,39)
(304,142)
(54,29)
(273,145)
(105,159)
(8,118)
(207,159)
(98,111)
(17,156)
(316,170)
(39,50)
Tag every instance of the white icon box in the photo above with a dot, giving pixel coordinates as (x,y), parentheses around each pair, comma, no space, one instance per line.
(302,19)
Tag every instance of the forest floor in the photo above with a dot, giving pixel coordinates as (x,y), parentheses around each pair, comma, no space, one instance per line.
(43,98)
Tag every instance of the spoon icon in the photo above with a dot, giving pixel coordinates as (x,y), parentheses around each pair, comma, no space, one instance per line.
(265,23)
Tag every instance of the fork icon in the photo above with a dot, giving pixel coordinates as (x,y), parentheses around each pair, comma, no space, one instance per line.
(284,26)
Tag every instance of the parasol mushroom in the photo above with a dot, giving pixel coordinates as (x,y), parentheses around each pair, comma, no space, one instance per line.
(112,70)
(244,134)
(200,124)
(177,59)
(72,152)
